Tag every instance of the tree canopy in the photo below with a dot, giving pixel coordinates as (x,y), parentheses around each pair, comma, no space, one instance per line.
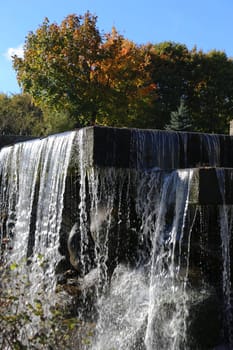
(204,80)
(19,116)
(80,76)
(92,78)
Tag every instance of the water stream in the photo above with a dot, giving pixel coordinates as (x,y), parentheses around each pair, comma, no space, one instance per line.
(138,237)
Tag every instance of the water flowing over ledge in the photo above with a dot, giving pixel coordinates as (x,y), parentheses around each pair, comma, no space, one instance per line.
(130,229)
(147,149)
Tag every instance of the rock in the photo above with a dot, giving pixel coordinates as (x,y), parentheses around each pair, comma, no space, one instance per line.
(73,243)
(78,286)
(204,330)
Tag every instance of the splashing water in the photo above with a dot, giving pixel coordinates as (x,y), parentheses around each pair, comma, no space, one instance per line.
(167,312)
(146,308)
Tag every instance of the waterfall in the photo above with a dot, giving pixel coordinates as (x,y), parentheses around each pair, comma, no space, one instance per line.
(157,149)
(211,144)
(33,178)
(167,310)
(226,221)
(129,248)
(150,300)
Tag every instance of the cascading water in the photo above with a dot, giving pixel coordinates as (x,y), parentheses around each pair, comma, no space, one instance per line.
(137,243)
(212,145)
(146,308)
(226,222)
(33,178)
(167,312)
(158,149)
(174,150)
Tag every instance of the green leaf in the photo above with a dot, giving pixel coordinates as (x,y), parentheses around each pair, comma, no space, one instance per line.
(13,266)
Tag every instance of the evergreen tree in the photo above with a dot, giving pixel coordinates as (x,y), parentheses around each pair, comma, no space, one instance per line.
(181,119)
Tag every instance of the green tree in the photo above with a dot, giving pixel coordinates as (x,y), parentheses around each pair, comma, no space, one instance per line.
(19,116)
(210,91)
(180,119)
(204,79)
(170,69)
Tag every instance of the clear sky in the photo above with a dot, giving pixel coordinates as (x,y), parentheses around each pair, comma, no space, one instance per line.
(208,24)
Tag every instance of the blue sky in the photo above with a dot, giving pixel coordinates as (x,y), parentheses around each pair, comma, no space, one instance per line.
(208,24)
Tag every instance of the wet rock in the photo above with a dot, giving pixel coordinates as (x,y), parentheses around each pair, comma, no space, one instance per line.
(78,286)
(73,243)
(204,321)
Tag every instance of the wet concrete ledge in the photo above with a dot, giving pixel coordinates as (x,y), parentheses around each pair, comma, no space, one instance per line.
(212,186)
(8,140)
(147,149)
(135,148)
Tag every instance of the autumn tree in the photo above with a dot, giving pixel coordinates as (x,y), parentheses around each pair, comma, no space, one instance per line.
(58,64)
(71,70)
(123,73)
(79,76)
